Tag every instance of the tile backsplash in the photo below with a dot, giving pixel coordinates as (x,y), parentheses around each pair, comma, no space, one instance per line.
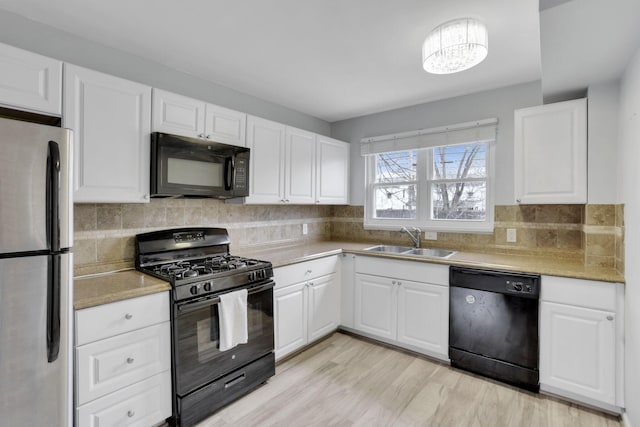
(104,233)
(594,233)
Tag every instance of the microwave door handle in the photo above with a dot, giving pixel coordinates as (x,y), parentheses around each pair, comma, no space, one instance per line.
(229,168)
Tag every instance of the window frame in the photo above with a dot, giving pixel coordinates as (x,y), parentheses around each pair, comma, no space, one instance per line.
(424,183)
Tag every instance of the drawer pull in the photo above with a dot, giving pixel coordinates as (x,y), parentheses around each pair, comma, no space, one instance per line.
(609,317)
(128,316)
(130,360)
(235,381)
(130,414)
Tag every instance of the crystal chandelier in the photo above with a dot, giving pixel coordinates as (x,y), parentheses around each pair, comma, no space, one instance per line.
(455,46)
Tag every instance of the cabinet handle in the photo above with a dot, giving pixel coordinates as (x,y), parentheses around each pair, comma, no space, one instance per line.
(609,318)
(201,135)
(130,360)
(287,201)
(208,136)
(130,414)
(393,282)
(282,200)
(311,284)
(308,272)
(128,316)
(399,283)
(518,200)
(146,197)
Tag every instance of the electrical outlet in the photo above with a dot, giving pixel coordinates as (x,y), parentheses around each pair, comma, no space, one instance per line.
(431,235)
(305,229)
(511,235)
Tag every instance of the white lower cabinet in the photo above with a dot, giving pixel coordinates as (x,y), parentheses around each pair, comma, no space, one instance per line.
(581,342)
(408,313)
(123,367)
(306,303)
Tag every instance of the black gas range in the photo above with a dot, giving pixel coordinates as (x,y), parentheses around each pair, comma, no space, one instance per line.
(197,263)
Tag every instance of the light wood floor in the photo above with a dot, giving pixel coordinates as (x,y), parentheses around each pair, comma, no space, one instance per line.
(346,381)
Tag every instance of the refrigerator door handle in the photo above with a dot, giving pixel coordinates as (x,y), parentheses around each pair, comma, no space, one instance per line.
(53,308)
(53,196)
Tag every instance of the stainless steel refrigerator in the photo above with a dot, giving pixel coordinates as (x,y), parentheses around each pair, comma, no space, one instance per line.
(35,275)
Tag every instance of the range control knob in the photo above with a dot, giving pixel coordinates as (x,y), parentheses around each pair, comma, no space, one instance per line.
(194,290)
(252,276)
(261,274)
(207,286)
(517,287)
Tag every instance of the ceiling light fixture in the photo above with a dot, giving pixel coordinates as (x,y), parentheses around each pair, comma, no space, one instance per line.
(455,46)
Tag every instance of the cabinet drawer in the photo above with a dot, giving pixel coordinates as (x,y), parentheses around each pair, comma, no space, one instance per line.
(417,271)
(300,272)
(142,404)
(111,364)
(578,292)
(108,320)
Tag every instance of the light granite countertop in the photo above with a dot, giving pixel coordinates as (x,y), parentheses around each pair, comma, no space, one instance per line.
(97,289)
(111,287)
(280,256)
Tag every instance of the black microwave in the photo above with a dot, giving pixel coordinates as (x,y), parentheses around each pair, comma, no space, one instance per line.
(182,166)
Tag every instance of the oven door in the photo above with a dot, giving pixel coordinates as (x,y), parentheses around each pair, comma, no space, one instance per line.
(197,357)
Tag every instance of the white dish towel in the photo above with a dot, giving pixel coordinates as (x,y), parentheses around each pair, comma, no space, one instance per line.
(233,319)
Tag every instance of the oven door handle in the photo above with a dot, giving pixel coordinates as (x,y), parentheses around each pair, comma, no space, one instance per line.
(196,305)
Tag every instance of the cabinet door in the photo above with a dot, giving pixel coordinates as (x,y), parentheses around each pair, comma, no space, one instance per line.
(111,120)
(30,81)
(324,306)
(300,163)
(177,114)
(225,125)
(266,141)
(332,173)
(376,305)
(577,350)
(290,317)
(423,316)
(551,153)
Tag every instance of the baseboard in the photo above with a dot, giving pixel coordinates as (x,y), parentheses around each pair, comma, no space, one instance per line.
(625,420)
(580,400)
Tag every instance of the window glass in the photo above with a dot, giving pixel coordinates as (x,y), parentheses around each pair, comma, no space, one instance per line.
(396,167)
(459,201)
(460,161)
(395,201)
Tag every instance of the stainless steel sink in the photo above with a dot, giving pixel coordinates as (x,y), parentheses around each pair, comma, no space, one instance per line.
(389,249)
(430,253)
(408,250)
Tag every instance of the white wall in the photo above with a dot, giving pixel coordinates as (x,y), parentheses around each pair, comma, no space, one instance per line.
(603,100)
(629,194)
(20,32)
(498,103)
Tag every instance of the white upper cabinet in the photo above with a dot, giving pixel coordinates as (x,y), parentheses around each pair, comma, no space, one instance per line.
(30,81)
(181,115)
(290,165)
(332,171)
(300,163)
(225,125)
(551,153)
(111,120)
(266,140)
(177,114)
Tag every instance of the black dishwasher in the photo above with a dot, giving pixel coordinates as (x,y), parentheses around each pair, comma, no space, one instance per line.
(493,324)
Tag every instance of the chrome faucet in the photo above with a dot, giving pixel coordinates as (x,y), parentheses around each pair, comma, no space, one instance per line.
(415,238)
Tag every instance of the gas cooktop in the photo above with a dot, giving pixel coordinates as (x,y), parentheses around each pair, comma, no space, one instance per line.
(196,261)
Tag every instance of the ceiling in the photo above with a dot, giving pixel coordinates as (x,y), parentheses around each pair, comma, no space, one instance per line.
(332,59)
(584,42)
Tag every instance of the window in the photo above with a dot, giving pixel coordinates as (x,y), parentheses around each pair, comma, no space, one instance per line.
(442,188)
